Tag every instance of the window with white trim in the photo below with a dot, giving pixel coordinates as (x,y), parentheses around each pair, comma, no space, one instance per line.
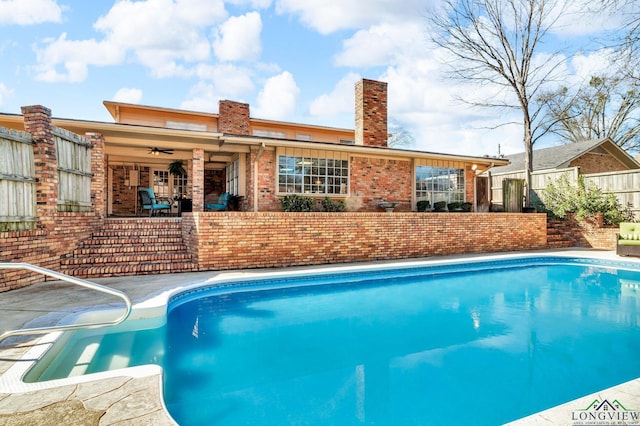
(435,184)
(302,171)
(232,172)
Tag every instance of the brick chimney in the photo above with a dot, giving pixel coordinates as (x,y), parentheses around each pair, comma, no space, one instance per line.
(371,113)
(233,118)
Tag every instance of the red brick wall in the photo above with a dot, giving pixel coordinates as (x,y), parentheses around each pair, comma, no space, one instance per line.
(275,239)
(597,163)
(371,113)
(267,200)
(125,196)
(233,118)
(469,183)
(375,179)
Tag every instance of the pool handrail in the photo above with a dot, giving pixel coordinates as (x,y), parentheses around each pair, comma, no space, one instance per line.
(72,280)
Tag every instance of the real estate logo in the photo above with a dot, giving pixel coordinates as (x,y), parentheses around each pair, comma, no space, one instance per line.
(605,413)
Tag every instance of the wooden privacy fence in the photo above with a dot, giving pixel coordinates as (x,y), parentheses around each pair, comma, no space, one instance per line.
(74,171)
(18,192)
(17,181)
(625,185)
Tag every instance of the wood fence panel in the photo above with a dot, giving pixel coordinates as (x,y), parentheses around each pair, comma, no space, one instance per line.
(17,181)
(625,185)
(539,180)
(74,171)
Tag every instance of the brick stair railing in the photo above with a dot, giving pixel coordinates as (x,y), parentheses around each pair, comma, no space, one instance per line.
(131,247)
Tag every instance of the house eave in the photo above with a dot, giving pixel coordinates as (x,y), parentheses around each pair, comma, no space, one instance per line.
(362,150)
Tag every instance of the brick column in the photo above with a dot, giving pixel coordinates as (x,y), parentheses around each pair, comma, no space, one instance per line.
(371,113)
(37,121)
(470,185)
(197,184)
(99,178)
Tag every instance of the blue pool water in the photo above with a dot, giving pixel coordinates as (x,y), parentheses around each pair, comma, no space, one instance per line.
(482,343)
(454,347)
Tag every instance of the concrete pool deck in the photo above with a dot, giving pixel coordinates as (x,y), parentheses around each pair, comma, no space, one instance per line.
(136,399)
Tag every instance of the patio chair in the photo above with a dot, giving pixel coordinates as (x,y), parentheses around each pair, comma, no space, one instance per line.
(222,204)
(148,202)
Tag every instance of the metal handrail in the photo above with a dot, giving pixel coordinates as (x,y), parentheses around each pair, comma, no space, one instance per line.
(72,280)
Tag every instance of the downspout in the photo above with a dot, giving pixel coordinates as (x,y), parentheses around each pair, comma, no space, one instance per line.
(255,176)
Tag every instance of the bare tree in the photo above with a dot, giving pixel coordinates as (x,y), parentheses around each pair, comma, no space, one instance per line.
(495,42)
(606,107)
(399,137)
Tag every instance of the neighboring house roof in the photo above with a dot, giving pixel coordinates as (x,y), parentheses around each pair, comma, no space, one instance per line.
(560,157)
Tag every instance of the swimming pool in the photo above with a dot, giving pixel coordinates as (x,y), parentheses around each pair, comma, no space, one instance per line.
(481,343)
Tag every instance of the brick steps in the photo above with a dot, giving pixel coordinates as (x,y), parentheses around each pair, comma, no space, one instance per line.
(107,249)
(101,271)
(131,247)
(557,236)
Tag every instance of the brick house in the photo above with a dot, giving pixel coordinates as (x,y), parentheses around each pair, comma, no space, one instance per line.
(78,181)
(260,161)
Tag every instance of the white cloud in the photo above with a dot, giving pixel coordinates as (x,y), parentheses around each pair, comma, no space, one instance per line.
(327,16)
(29,12)
(128,95)
(74,56)
(160,34)
(202,97)
(339,101)
(278,98)
(585,17)
(228,80)
(161,31)
(255,4)
(382,45)
(238,39)
(586,66)
(217,82)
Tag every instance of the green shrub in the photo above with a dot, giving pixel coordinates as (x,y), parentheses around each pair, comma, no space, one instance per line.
(583,199)
(296,203)
(423,205)
(329,205)
(440,206)
(300,203)
(455,206)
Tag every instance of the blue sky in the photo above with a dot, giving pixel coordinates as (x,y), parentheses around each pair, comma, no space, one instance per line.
(291,60)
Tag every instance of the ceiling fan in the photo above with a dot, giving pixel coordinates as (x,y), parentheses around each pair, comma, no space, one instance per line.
(158,151)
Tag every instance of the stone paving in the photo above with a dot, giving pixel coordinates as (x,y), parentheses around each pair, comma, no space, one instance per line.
(138,400)
(114,401)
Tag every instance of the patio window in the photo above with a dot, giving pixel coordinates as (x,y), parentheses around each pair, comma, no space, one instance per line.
(167,186)
(180,186)
(232,172)
(161,184)
(434,183)
(302,171)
